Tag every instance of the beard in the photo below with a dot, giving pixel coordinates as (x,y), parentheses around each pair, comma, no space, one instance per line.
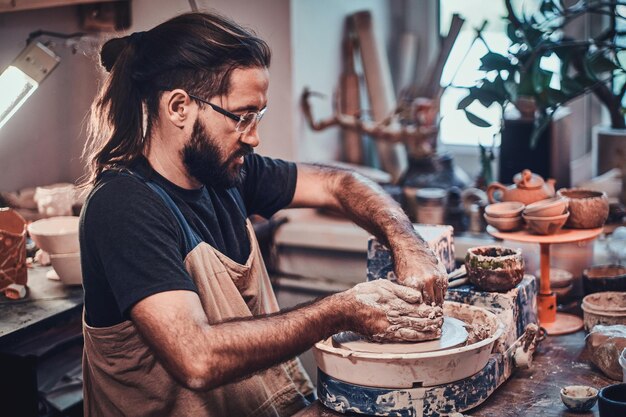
(204,160)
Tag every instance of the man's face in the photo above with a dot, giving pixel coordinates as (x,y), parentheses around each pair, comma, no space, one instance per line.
(215,151)
(211,164)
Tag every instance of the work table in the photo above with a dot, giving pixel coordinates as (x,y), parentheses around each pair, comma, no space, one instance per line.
(558,362)
(46,303)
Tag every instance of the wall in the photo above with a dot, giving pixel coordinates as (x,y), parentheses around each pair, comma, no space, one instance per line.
(42,142)
(318,28)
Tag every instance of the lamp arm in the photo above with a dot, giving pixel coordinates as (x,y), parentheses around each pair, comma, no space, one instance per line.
(34,35)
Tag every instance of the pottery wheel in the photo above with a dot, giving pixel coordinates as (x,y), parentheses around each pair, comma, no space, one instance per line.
(453,333)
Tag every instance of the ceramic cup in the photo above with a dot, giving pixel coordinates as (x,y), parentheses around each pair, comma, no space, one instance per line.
(612,401)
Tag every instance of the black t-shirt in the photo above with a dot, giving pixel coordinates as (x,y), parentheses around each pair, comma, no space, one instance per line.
(132,245)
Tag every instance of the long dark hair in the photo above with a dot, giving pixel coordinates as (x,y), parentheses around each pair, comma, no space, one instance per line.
(196,52)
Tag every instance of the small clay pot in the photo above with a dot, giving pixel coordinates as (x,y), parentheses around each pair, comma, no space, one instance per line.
(505,209)
(494,268)
(587,209)
(579,398)
(505,224)
(547,208)
(545,225)
(604,278)
(607,307)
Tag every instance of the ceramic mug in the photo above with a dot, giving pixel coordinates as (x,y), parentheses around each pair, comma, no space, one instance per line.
(612,401)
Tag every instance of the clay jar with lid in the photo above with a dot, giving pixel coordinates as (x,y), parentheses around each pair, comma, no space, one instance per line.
(527,189)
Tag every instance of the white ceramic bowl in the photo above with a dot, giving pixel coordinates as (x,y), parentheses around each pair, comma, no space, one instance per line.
(56,234)
(67,267)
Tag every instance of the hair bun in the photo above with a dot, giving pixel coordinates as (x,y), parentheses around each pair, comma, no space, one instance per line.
(111,50)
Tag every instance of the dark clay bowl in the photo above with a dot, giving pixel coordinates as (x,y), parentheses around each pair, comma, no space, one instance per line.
(587,209)
(494,268)
(612,401)
(604,278)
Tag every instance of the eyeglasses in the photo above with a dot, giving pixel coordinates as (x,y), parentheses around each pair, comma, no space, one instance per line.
(245,121)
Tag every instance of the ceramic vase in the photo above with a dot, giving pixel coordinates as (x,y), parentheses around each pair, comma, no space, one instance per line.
(12,248)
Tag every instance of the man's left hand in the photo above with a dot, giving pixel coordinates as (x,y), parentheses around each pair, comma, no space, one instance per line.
(423,271)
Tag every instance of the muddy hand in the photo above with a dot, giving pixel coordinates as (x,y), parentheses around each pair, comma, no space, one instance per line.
(391,312)
(427,275)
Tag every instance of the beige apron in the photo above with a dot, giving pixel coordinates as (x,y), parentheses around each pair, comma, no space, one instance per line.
(122,377)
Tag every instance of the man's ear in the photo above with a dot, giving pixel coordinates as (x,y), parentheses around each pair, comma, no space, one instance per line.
(178,107)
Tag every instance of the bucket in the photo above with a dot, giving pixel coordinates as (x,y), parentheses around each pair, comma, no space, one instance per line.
(12,248)
(604,308)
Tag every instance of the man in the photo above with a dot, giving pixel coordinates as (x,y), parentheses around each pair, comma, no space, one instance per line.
(180,317)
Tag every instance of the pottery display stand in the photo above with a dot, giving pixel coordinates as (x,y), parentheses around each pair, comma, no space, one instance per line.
(555,323)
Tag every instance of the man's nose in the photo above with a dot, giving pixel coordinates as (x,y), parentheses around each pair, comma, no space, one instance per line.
(251,137)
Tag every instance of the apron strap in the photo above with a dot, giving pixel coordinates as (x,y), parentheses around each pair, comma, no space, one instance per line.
(191,237)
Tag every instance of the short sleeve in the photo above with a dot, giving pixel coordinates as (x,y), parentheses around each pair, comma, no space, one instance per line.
(268,185)
(130,243)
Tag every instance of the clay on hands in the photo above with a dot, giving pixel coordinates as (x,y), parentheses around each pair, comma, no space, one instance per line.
(408,319)
(426,274)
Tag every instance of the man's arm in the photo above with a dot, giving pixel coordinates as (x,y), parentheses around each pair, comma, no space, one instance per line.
(202,356)
(365,203)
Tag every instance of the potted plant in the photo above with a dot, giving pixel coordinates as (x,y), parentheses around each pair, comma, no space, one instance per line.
(589,65)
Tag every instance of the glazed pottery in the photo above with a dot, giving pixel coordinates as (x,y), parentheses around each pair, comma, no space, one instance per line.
(67,267)
(588,209)
(579,398)
(494,268)
(505,224)
(604,278)
(12,248)
(612,401)
(504,210)
(527,189)
(604,308)
(547,208)
(56,234)
(545,225)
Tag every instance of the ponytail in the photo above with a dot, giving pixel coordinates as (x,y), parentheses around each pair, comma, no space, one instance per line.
(116,124)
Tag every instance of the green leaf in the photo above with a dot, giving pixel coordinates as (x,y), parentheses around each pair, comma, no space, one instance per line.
(571,87)
(492,61)
(511,32)
(549,6)
(466,101)
(540,78)
(511,90)
(555,97)
(476,120)
(599,63)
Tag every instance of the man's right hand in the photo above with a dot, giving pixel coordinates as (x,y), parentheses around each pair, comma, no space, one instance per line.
(388,312)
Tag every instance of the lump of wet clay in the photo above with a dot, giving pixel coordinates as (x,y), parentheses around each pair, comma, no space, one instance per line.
(605,344)
(423,324)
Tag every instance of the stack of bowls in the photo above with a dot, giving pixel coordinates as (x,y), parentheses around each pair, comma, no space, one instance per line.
(546,217)
(59,237)
(506,216)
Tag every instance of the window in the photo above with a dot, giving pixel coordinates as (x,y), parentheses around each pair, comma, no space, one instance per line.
(461,69)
